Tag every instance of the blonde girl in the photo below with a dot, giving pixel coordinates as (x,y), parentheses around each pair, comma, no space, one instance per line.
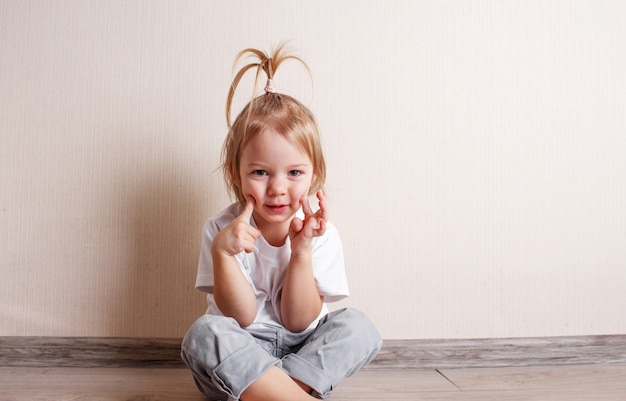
(270,264)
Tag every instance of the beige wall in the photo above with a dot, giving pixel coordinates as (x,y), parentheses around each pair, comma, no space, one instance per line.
(476,153)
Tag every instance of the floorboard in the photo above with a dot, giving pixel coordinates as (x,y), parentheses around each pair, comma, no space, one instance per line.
(541,383)
(573,377)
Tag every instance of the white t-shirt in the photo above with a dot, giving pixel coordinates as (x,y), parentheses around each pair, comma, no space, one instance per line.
(265,269)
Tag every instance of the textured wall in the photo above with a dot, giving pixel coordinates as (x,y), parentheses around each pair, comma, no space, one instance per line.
(475,149)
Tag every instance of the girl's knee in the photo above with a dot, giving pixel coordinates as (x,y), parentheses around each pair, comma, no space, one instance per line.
(201,340)
(199,351)
(367,327)
(356,315)
(358,319)
(359,324)
(204,329)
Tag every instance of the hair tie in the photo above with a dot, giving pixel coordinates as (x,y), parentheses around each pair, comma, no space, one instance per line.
(269,88)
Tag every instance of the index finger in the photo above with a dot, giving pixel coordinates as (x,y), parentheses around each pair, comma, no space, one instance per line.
(322,204)
(246,213)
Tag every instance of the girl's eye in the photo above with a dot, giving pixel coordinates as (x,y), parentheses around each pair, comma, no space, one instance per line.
(259,172)
(295,173)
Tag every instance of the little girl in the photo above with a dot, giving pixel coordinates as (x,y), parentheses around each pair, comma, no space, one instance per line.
(269,263)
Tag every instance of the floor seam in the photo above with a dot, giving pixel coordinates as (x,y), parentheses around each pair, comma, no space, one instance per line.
(449,381)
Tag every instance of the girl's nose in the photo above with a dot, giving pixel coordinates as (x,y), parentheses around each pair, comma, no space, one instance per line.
(276,186)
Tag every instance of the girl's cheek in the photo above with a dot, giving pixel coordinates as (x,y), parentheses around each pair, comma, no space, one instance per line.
(249,187)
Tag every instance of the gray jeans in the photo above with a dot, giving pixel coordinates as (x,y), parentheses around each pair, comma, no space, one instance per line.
(225,359)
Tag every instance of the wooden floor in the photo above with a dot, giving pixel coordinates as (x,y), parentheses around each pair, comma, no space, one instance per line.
(562,383)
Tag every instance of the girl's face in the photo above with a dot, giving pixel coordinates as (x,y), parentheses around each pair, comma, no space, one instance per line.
(277,176)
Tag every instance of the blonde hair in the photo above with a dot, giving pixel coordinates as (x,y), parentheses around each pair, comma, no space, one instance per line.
(269,111)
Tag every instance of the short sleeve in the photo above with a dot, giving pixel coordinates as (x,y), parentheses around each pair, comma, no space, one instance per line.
(204,277)
(329,267)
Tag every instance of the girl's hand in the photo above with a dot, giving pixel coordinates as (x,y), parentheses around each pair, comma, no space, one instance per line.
(301,232)
(239,235)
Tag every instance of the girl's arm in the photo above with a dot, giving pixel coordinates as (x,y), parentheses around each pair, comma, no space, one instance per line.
(232,292)
(301,302)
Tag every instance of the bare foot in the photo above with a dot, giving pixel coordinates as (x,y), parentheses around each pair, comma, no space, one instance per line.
(276,385)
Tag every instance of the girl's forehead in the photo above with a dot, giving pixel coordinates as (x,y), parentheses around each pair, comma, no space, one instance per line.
(273,146)
(270,139)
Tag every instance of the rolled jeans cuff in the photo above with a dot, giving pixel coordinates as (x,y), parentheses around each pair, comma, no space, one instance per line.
(299,369)
(250,361)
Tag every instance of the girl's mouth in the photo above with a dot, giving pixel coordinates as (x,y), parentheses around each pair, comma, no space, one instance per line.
(277,208)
